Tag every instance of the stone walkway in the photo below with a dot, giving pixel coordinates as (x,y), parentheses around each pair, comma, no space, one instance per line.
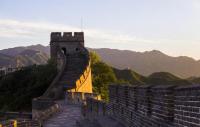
(67,117)
(101,121)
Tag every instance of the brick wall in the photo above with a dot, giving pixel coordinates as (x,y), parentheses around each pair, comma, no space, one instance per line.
(79,97)
(187,106)
(151,106)
(42,109)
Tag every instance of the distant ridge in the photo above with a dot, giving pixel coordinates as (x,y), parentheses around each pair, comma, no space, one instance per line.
(5,60)
(130,76)
(17,50)
(144,63)
(165,78)
(29,57)
(24,56)
(149,62)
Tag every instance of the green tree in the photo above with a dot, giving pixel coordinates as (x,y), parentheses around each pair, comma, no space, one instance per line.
(19,88)
(95,58)
(102,76)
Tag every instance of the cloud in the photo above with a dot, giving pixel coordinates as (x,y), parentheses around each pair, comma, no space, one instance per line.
(196,4)
(14,28)
(24,29)
(17,33)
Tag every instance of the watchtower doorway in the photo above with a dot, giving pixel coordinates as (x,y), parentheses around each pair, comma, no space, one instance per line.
(64,50)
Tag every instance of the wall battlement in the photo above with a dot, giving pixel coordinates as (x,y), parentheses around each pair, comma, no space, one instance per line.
(150,106)
(67,36)
(68,42)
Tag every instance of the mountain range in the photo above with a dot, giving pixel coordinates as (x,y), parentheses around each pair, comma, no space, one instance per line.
(24,56)
(149,62)
(144,63)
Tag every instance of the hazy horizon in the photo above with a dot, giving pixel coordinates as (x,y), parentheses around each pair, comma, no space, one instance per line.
(172,27)
(113,49)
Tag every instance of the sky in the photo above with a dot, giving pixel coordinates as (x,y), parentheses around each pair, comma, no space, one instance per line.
(171,26)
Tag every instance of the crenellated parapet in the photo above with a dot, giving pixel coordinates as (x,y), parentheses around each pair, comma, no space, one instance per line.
(67,36)
(150,105)
(67,42)
(84,79)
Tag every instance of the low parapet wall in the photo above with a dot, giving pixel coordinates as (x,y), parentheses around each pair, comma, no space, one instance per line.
(44,106)
(15,115)
(150,106)
(94,108)
(80,97)
(42,109)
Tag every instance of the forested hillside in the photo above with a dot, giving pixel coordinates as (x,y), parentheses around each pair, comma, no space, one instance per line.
(103,75)
(17,89)
(144,63)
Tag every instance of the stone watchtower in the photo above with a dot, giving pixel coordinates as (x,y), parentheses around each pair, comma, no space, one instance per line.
(67,43)
(73,63)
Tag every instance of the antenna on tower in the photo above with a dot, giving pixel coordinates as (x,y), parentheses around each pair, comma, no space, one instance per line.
(81,24)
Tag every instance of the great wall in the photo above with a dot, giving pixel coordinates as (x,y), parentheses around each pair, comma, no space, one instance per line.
(73,83)
(150,106)
(69,101)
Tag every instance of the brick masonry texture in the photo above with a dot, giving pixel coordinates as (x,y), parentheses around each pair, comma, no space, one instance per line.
(150,106)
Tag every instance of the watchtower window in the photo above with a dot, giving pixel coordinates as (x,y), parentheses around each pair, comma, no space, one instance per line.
(77,49)
(64,51)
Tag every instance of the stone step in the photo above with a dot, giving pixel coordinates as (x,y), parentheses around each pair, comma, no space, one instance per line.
(68,87)
(72,76)
(69,72)
(69,81)
(75,67)
(76,63)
